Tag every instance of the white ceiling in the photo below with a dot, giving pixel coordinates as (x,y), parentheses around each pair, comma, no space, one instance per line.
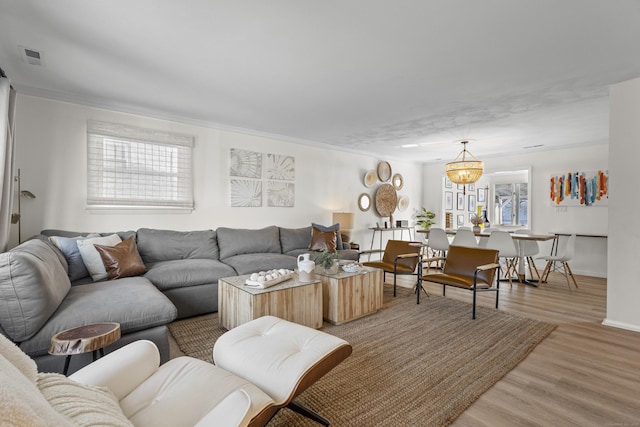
(364,75)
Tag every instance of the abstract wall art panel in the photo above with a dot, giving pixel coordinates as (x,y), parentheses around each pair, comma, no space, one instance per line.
(280,167)
(588,188)
(245,163)
(245,193)
(280,194)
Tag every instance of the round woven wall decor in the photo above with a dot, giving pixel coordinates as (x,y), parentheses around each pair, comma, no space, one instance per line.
(386,200)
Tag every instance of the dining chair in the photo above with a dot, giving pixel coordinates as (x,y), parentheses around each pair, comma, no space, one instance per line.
(438,243)
(528,249)
(400,257)
(465,237)
(563,259)
(503,242)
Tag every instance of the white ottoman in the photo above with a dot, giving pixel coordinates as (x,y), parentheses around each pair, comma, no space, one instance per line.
(280,357)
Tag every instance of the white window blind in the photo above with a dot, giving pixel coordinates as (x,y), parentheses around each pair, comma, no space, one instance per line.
(135,167)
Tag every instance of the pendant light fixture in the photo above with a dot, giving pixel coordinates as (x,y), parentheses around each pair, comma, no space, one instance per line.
(466,168)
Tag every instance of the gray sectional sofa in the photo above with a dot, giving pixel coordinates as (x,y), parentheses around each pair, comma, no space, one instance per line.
(39,299)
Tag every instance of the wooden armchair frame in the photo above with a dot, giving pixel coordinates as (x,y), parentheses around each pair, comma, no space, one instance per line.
(474,269)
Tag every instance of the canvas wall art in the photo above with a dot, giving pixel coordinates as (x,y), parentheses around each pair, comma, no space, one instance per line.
(280,194)
(245,163)
(251,171)
(588,188)
(280,167)
(246,193)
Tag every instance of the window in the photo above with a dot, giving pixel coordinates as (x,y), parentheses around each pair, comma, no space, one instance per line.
(511,203)
(135,167)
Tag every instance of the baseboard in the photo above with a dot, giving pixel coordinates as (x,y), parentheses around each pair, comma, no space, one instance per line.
(621,325)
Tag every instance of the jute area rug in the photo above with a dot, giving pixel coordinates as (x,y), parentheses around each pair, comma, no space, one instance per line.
(412,365)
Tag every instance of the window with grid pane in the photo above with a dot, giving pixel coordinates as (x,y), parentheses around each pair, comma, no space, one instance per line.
(135,167)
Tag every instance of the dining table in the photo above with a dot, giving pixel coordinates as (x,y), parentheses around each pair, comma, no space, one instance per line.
(515,236)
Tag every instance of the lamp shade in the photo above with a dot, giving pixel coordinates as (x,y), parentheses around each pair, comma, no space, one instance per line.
(345,219)
(463,170)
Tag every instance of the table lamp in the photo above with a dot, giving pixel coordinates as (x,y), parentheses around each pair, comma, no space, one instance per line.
(345,219)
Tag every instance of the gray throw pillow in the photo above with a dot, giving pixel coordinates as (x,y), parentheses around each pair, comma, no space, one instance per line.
(69,247)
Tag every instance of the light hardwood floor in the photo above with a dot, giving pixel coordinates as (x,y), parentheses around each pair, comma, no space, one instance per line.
(583,374)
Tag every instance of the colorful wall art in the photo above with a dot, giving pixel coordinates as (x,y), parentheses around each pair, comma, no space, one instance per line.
(579,188)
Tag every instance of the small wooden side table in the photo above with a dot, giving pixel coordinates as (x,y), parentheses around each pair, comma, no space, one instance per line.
(349,296)
(291,300)
(83,339)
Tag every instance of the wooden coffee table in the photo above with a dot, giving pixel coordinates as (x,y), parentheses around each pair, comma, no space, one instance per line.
(83,339)
(349,296)
(290,300)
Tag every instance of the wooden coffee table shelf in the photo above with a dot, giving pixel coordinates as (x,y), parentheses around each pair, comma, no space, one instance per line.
(349,296)
(290,300)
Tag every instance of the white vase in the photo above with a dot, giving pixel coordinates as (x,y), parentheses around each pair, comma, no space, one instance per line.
(305,268)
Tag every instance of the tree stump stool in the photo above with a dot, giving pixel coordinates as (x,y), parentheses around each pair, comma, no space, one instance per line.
(84,339)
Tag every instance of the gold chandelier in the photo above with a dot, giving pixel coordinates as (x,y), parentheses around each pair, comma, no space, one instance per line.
(465,170)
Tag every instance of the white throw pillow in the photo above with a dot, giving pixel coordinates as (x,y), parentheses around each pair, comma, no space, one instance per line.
(91,257)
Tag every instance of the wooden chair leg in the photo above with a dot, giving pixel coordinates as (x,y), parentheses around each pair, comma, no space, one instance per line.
(564,273)
(568,269)
(528,265)
(514,267)
(510,270)
(545,272)
(575,283)
(533,264)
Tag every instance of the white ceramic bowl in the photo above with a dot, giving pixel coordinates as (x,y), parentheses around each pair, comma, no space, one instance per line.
(350,268)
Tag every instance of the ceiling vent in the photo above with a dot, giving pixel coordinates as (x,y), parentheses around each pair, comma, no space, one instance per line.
(31,56)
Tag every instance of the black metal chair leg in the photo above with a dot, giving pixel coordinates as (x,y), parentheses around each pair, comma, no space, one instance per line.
(394,284)
(473,314)
(303,410)
(419,282)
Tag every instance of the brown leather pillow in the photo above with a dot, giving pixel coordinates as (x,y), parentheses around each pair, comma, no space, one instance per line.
(121,260)
(322,239)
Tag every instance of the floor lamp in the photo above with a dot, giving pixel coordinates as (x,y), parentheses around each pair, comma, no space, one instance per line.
(16,217)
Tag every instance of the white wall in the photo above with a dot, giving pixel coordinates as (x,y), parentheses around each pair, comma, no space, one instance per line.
(623,291)
(591,253)
(51,153)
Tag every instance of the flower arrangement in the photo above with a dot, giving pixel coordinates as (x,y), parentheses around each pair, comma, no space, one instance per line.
(477,220)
